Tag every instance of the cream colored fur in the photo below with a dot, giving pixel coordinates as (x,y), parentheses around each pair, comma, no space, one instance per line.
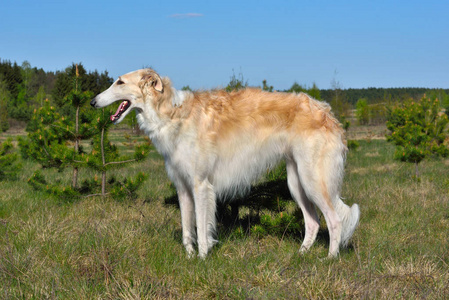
(217,144)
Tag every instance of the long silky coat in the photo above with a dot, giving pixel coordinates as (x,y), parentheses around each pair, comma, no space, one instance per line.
(216,143)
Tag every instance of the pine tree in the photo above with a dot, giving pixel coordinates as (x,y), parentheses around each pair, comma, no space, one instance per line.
(296,88)
(49,132)
(8,161)
(265,87)
(418,129)
(105,156)
(54,140)
(362,111)
(83,131)
(314,92)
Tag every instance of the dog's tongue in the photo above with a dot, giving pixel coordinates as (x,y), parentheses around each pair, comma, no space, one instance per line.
(119,111)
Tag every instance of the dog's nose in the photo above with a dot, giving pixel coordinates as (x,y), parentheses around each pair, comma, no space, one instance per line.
(93,102)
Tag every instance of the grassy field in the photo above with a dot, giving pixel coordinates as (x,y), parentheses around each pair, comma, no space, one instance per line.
(98,248)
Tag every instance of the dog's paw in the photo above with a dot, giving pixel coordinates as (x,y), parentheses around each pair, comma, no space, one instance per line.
(190,252)
(303,250)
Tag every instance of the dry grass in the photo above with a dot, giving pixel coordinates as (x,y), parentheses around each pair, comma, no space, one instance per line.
(371,132)
(102,249)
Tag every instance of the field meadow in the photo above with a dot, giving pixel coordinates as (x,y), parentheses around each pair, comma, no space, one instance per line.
(100,248)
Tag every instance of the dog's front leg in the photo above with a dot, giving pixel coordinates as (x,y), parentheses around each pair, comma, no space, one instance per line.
(205,208)
(187,208)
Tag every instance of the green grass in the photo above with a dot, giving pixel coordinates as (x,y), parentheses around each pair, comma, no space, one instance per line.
(98,248)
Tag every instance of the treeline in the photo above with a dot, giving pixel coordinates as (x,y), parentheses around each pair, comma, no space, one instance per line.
(377,95)
(24,88)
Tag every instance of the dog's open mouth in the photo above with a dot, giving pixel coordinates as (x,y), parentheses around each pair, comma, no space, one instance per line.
(121,109)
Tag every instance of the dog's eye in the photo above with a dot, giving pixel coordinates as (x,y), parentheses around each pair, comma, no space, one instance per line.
(120,82)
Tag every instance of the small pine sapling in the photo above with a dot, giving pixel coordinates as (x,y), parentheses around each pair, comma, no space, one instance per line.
(54,142)
(418,129)
(54,139)
(9,167)
(105,156)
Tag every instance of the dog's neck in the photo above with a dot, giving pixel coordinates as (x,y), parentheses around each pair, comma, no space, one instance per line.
(165,118)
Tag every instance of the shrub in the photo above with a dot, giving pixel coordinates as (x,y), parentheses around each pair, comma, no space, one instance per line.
(353,145)
(418,129)
(362,111)
(8,161)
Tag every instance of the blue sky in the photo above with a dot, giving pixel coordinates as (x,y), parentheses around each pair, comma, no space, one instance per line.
(201,43)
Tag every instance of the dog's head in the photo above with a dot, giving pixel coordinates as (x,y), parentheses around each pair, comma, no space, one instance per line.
(132,89)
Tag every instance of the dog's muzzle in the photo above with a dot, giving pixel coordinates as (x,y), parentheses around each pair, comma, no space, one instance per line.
(93,102)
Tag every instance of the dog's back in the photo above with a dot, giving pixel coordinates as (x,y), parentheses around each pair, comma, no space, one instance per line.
(249,131)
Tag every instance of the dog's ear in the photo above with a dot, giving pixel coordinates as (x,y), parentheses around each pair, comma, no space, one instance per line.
(153,80)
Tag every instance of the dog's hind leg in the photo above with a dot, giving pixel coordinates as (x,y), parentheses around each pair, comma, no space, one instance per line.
(320,178)
(308,208)
(316,192)
(330,169)
(187,208)
(205,208)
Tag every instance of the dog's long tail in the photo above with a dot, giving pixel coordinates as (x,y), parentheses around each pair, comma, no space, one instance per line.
(349,217)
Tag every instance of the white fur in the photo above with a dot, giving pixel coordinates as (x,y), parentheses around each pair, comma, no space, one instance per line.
(203,167)
(179,96)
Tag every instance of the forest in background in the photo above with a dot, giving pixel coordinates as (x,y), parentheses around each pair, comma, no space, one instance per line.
(376,95)
(23,88)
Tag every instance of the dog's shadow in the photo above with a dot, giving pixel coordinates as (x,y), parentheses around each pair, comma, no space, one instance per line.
(237,217)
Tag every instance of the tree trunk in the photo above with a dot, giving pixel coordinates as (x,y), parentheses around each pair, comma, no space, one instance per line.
(75,169)
(103,183)
(416,170)
(103,176)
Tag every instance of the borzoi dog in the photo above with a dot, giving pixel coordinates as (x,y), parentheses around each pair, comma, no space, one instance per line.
(216,143)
